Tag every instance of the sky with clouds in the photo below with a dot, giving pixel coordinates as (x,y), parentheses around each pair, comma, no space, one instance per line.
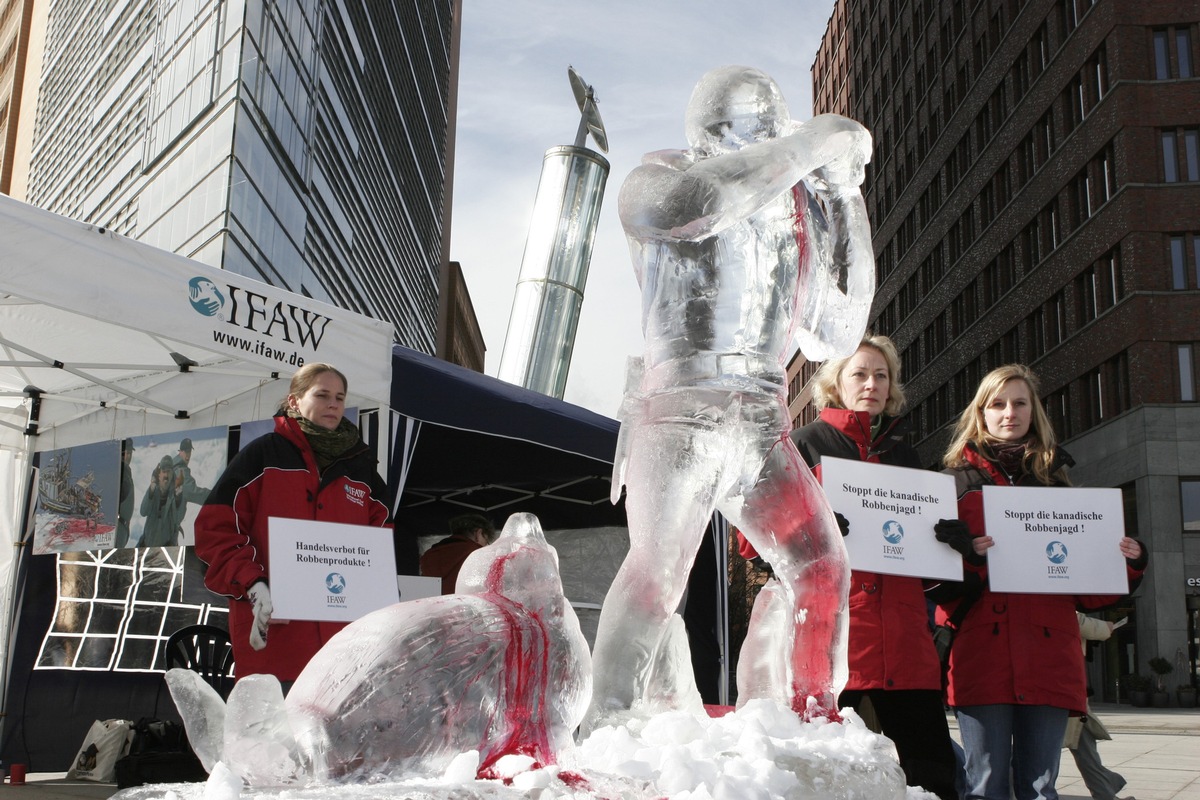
(642,57)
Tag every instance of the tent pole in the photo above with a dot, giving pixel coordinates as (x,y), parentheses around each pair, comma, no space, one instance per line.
(720,533)
(21,540)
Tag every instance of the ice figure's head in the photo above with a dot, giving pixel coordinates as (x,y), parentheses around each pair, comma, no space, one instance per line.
(732,107)
(520,565)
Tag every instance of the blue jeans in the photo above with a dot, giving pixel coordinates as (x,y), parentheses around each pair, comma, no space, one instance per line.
(1026,740)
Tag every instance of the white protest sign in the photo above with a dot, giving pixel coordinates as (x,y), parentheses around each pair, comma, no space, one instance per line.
(1055,540)
(330,571)
(892,511)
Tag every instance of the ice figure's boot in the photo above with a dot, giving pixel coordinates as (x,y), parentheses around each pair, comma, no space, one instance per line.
(764,671)
(821,625)
(671,683)
(203,714)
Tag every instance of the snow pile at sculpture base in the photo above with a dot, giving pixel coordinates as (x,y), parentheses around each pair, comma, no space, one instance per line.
(760,751)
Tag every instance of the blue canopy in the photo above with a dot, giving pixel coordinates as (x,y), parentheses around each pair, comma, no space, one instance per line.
(466,442)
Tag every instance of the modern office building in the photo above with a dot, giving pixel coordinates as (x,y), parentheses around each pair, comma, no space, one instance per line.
(305,143)
(301,142)
(15,16)
(1035,197)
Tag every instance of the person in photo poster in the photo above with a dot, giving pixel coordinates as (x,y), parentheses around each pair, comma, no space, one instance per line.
(195,457)
(162,506)
(180,464)
(1016,666)
(313,466)
(125,503)
(891,656)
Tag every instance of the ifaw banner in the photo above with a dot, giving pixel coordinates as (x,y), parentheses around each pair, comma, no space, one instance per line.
(202,313)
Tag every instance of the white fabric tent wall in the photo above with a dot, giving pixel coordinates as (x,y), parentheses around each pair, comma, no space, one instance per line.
(103,337)
(13,473)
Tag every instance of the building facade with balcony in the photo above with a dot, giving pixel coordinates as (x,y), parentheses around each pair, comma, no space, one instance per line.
(1035,197)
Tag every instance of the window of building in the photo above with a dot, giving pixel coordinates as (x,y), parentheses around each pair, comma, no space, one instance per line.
(1165,67)
(1053,224)
(1162,55)
(1044,140)
(1037,332)
(1109,277)
(1196,259)
(1056,319)
(1085,293)
(1032,244)
(1020,76)
(1025,158)
(1118,371)
(1076,103)
(1093,407)
(1191,154)
(1058,406)
(1083,197)
(1010,344)
(1169,157)
(1178,263)
(1187,372)
(1189,498)
(1099,65)
(1108,166)
(1040,46)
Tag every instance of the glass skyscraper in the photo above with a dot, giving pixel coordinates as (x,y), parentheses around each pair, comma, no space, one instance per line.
(300,142)
(305,143)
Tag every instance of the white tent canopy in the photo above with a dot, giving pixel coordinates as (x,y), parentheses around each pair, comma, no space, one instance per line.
(121,338)
(103,337)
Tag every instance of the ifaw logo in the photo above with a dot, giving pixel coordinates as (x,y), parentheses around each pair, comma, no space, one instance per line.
(256,312)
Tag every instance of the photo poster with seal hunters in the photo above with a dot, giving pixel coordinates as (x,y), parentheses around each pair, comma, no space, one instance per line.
(1055,540)
(892,511)
(330,571)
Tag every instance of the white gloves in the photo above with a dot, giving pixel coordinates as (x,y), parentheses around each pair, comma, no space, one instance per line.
(260,596)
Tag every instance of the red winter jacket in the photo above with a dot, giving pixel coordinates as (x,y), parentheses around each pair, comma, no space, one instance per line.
(276,476)
(445,558)
(1022,649)
(890,646)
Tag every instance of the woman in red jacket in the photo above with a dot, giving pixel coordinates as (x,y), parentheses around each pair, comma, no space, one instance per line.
(890,651)
(1016,667)
(314,466)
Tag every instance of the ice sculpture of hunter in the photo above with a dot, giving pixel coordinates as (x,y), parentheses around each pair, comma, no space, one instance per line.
(749,244)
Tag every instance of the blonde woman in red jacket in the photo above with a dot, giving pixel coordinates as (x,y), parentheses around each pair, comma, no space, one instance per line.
(313,466)
(890,653)
(1016,667)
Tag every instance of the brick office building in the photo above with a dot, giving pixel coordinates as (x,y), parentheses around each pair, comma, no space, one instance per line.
(1035,197)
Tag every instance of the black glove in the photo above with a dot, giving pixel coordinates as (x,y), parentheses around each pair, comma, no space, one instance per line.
(1141,561)
(843,523)
(955,533)
(760,563)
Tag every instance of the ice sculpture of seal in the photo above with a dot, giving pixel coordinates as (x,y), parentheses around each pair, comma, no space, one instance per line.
(499,668)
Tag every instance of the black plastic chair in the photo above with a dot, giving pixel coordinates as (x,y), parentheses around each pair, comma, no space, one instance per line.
(204,649)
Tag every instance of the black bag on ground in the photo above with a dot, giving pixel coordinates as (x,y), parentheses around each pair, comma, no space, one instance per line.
(943,635)
(158,753)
